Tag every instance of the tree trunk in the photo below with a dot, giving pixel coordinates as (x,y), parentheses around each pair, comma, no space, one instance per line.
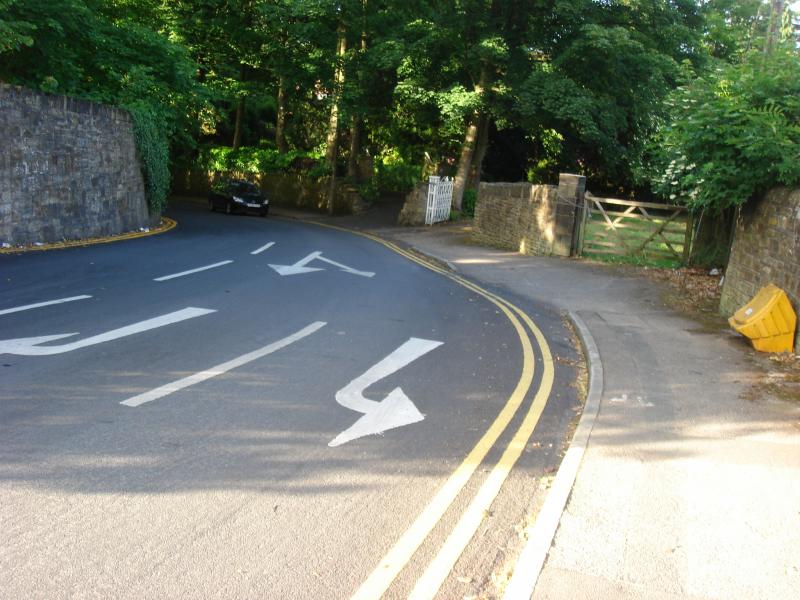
(355,147)
(468,148)
(775,19)
(237,130)
(480,152)
(357,127)
(280,124)
(464,163)
(332,141)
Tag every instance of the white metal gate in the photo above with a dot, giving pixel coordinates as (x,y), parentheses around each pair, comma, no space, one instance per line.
(440,196)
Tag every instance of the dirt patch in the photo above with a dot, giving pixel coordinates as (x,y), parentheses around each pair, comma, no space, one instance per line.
(693,292)
(781,378)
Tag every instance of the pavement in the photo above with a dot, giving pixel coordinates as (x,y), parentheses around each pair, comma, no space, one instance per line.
(689,487)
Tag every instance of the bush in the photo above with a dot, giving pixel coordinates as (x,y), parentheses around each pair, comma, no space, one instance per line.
(251,160)
(733,134)
(396,176)
(468,202)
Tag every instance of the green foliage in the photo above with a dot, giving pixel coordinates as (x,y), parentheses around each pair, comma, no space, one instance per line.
(468,203)
(252,160)
(153,148)
(394,174)
(369,190)
(733,134)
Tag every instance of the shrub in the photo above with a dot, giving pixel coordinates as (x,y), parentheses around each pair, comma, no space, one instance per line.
(249,159)
(468,202)
(733,134)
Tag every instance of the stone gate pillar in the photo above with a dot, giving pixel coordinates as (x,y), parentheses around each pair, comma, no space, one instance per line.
(569,200)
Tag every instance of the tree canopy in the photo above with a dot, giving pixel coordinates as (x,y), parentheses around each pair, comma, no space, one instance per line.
(479,89)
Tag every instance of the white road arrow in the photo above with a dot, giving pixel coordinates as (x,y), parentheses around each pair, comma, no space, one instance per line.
(393,411)
(30,346)
(300,266)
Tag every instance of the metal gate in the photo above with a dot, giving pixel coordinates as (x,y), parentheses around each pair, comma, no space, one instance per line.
(440,197)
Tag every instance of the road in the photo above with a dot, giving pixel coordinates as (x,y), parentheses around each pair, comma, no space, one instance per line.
(263,408)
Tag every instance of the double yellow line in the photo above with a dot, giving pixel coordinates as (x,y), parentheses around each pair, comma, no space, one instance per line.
(440,567)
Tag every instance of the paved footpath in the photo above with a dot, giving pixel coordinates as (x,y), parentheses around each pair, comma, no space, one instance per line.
(686,489)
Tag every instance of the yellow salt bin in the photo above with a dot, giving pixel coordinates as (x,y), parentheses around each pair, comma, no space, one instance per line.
(768,320)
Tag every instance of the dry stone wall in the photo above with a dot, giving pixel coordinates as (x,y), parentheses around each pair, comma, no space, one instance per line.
(68,169)
(766,249)
(527,218)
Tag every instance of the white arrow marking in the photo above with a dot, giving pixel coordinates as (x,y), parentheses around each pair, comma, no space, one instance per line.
(393,411)
(7,311)
(345,268)
(169,388)
(31,347)
(300,266)
(191,271)
(266,246)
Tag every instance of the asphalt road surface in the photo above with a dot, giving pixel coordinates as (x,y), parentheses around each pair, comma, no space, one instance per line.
(263,408)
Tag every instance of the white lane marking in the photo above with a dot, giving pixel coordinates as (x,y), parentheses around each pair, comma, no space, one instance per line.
(189,272)
(180,384)
(7,311)
(396,409)
(345,268)
(264,247)
(30,346)
(300,266)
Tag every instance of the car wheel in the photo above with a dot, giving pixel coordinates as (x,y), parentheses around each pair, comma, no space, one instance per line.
(228,208)
(264,212)
(211,206)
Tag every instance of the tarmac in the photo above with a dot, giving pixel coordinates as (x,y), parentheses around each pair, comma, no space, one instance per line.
(685,486)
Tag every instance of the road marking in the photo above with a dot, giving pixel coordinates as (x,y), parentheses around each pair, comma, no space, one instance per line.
(7,311)
(264,247)
(180,384)
(31,347)
(431,581)
(189,272)
(398,557)
(401,553)
(300,266)
(396,409)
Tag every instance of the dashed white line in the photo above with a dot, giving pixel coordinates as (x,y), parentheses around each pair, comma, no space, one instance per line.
(189,272)
(264,247)
(180,384)
(7,311)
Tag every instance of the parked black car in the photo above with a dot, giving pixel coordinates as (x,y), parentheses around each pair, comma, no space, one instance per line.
(238,195)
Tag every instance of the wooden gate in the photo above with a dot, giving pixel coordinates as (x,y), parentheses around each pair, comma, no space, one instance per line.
(641,231)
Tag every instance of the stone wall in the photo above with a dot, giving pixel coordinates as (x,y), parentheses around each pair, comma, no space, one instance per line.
(290,190)
(68,169)
(766,249)
(527,218)
(415,206)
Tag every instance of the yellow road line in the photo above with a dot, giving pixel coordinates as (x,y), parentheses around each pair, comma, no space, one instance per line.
(166,225)
(438,570)
(442,565)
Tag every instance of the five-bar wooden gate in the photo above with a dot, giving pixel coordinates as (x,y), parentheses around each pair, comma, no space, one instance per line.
(634,230)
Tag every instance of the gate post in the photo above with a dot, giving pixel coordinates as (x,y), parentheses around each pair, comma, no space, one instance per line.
(569,204)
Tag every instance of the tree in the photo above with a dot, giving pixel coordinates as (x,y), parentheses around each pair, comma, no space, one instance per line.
(739,114)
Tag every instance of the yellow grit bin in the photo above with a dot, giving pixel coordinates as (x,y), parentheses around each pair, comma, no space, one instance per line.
(768,320)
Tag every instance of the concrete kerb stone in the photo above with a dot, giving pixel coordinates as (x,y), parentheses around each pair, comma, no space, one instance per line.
(541,534)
